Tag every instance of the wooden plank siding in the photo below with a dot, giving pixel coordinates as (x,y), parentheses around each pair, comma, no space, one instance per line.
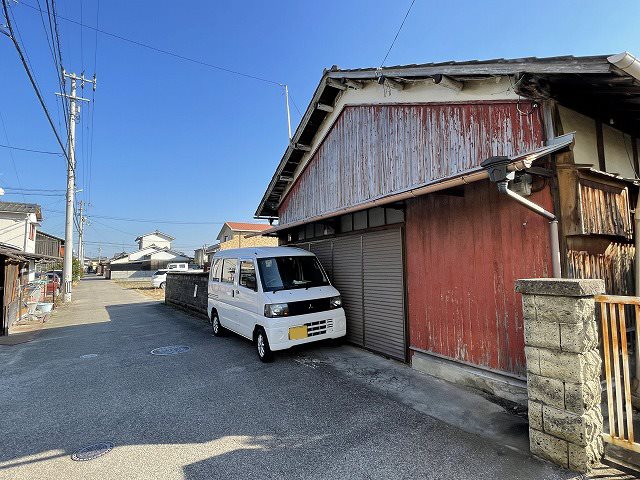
(463,256)
(376,150)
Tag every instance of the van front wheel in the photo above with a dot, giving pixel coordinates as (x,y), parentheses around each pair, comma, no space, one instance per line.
(216,327)
(262,345)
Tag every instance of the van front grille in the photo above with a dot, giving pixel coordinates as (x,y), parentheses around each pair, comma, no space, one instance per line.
(316,328)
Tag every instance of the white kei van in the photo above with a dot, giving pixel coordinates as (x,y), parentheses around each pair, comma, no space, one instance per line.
(276,296)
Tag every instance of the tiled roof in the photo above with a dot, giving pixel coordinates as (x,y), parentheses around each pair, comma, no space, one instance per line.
(15,207)
(247,227)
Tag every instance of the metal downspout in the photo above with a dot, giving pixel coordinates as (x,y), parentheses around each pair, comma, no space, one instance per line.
(503,188)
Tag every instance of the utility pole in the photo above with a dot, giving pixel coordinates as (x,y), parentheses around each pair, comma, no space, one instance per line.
(74,115)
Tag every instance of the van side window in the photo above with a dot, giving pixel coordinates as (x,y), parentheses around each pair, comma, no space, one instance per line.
(229,270)
(216,270)
(248,275)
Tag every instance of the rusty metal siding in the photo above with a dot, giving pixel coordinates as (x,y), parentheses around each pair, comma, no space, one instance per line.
(375,150)
(463,257)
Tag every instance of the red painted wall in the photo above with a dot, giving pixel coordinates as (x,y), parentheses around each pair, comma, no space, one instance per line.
(463,255)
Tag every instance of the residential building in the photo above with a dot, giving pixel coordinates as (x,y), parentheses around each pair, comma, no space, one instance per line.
(202,256)
(19,223)
(141,264)
(157,238)
(384,181)
(244,234)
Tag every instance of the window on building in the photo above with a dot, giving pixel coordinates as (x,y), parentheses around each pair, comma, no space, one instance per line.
(248,275)
(229,270)
(309,230)
(225,238)
(394,215)
(346,223)
(376,217)
(360,220)
(32,232)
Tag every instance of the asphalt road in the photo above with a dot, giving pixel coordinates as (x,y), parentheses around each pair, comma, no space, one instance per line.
(212,412)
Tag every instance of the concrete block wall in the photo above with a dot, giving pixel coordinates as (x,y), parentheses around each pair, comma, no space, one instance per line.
(187,290)
(563,370)
(242,241)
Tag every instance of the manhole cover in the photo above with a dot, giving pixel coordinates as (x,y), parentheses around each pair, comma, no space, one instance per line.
(170,350)
(89,355)
(91,452)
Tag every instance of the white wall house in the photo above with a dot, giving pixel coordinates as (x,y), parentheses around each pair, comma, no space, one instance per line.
(157,238)
(18,225)
(153,254)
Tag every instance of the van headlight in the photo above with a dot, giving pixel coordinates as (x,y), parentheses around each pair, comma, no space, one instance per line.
(335,302)
(276,310)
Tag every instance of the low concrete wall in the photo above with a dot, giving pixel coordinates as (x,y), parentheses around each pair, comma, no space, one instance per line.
(133,275)
(187,290)
(493,383)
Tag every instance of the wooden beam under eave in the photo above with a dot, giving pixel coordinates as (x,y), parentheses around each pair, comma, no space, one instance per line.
(600,144)
(324,107)
(353,84)
(391,83)
(332,82)
(302,147)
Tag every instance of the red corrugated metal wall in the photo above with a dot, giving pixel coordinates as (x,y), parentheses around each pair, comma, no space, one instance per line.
(463,255)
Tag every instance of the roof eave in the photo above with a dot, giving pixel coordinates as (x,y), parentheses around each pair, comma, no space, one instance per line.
(570,65)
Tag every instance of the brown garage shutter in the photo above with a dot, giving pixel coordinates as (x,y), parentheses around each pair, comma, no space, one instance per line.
(383,277)
(347,278)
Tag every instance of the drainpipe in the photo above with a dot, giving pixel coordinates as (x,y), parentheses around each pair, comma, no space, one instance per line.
(499,173)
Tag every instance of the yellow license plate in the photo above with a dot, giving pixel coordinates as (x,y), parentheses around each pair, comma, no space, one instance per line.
(296,333)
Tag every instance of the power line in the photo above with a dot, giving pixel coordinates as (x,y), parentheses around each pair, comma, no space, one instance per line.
(31,78)
(93,99)
(148,220)
(34,189)
(165,52)
(51,43)
(36,194)
(397,33)
(30,150)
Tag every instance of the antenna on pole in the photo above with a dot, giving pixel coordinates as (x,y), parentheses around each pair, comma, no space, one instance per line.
(286,96)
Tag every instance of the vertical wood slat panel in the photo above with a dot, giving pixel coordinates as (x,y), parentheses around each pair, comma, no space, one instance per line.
(607,367)
(625,371)
(616,368)
(375,150)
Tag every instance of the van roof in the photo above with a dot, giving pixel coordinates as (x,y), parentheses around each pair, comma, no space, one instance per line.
(262,252)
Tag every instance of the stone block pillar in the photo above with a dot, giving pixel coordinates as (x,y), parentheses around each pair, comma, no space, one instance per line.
(563,370)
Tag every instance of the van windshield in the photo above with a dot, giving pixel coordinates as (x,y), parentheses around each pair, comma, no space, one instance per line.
(159,272)
(285,273)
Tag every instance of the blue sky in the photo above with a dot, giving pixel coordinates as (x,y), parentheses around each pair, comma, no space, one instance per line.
(178,141)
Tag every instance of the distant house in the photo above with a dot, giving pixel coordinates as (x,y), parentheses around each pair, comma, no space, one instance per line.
(202,256)
(149,257)
(157,238)
(242,234)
